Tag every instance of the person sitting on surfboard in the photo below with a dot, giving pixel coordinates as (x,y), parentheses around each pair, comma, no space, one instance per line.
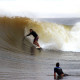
(36,37)
(59,71)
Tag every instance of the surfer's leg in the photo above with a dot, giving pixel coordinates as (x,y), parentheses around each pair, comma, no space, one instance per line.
(36,42)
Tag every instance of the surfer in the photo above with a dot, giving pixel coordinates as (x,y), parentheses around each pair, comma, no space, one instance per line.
(59,71)
(36,37)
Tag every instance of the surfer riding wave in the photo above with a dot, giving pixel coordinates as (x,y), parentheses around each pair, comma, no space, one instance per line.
(36,37)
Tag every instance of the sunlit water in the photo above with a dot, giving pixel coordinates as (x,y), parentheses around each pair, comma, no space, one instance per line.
(38,66)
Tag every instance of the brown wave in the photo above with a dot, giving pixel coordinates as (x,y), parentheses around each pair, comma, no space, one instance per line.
(12,32)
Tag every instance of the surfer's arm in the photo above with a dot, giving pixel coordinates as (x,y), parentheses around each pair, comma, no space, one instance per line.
(54,75)
(28,34)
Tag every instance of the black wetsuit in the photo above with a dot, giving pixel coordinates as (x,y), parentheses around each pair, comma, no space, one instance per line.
(34,35)
(58,70)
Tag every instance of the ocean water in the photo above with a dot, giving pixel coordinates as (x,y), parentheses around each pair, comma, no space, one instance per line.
(36,65)
(20,60)
(65,21)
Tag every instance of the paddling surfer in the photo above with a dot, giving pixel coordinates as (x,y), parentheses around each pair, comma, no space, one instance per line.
(59,71)
(36,37)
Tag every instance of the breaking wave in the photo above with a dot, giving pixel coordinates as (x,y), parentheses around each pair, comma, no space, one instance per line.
(52,36)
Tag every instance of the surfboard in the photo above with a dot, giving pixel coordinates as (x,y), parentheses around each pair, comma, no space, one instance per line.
(39,48)
(36,47)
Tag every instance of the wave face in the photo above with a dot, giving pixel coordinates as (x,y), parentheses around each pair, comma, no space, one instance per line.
(51,36)
(11,33)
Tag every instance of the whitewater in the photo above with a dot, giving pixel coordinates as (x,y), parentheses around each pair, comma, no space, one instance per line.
(52,36)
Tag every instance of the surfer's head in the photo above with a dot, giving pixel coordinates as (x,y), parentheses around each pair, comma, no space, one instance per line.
(31,30)
(57,64)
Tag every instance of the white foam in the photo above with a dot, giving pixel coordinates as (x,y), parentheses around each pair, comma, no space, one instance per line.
(61,39)
(57,37)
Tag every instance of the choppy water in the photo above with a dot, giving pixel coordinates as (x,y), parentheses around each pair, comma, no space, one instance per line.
(39,66)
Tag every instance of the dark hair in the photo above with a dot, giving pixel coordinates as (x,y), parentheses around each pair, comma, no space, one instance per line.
(57,64)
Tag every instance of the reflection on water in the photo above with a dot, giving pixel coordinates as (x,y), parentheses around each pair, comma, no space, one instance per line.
(35,51)
(23,66)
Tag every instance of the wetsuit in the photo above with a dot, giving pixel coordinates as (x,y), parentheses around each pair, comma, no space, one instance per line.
(58,70)
(34,35)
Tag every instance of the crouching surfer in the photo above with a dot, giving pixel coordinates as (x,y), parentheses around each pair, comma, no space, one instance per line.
(36,37)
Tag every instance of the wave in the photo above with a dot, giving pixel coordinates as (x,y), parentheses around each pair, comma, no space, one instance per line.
(52,36)
(11,33)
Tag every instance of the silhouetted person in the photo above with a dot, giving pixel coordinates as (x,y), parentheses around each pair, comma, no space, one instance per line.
(36,37)
(58,70)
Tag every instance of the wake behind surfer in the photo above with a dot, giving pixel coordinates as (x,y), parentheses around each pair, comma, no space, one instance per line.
(36,37)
